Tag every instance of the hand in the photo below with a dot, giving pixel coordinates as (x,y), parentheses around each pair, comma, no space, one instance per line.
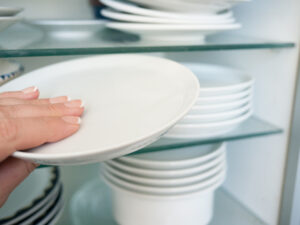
(27,122)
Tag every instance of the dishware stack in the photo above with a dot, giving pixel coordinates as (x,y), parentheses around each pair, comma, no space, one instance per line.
(225,101)
(8,16)
(171,20)
(9,70)
(170,187)
(37,200)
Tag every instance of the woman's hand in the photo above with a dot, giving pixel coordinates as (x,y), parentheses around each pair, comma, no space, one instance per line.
(27,122)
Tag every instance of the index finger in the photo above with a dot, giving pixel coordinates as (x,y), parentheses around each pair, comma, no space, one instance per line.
(27,93)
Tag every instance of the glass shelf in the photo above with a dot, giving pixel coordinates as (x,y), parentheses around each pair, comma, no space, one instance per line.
(253,127)
(23,40)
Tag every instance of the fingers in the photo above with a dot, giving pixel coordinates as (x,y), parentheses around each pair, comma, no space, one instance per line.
(25,133)
(18,101)
(12,172)
(27,93)
(71,108)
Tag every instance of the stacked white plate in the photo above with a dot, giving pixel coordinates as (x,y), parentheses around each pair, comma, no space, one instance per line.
(9,70)
(170,20)
(38,200)
(158,188)
(225,101)
(8,16)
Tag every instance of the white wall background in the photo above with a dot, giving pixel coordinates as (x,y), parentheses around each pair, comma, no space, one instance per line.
(256,166)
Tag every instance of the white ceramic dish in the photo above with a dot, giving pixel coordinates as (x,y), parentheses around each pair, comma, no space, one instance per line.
(167,210)
(6,22)
(120,16)
(215,117)
(206,130)
(172,32)
(224,98)
(175,158)
(68,29)
(136,10)
(168,173)
(175,182)
(9,11)
(184,7)
(137,97)
(33,196)
(9,70)
(220,107)
(165,191)
(219,80)
(54,220)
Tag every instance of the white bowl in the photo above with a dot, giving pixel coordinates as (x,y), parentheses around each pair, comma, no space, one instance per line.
(165,191)
(176,158)
(220,107)
(172,182)
(219,80)
(205,130)
(5,22)
(223,98)
(168,173)
(132,208)
(215,117)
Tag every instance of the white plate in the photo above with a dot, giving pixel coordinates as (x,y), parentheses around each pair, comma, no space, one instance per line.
(215,117)
(224,98)
(29,197)
(175,158)
(5,22)
(129,99)
(186,7)
(68,29)
(115,15)
(206,130)
(220,107)
(9,70)
(172,32)
(135,9)
(176,173)
(9,11)
(175,182)
(166,190)
(219,80)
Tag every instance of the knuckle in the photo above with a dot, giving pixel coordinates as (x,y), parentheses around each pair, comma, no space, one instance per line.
(8,129)
(53,109)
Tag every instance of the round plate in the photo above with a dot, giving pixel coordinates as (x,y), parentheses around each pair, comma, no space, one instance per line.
(115,15)
(219,80)
(9,11)
(205,130)
(134,9)
(166,182)
(129,100)
(175,158)
(33,196)
(176,173)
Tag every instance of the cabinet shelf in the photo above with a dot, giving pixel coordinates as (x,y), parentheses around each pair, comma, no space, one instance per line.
(22,40)
(253,127)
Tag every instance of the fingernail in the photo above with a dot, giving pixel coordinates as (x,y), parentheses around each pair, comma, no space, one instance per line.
(59,99)
(72,119)
(29,90)
(74,103)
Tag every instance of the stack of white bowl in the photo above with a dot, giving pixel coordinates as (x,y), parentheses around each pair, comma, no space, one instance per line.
(225,101)
(9,70)
(172,187)
(171,20)
(8,16)
(37,200)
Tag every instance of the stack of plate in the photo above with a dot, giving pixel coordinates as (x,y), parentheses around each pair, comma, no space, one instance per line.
(8,16)
(225,101)
(9,70)
(170,20)
(38,200)
(163,188)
